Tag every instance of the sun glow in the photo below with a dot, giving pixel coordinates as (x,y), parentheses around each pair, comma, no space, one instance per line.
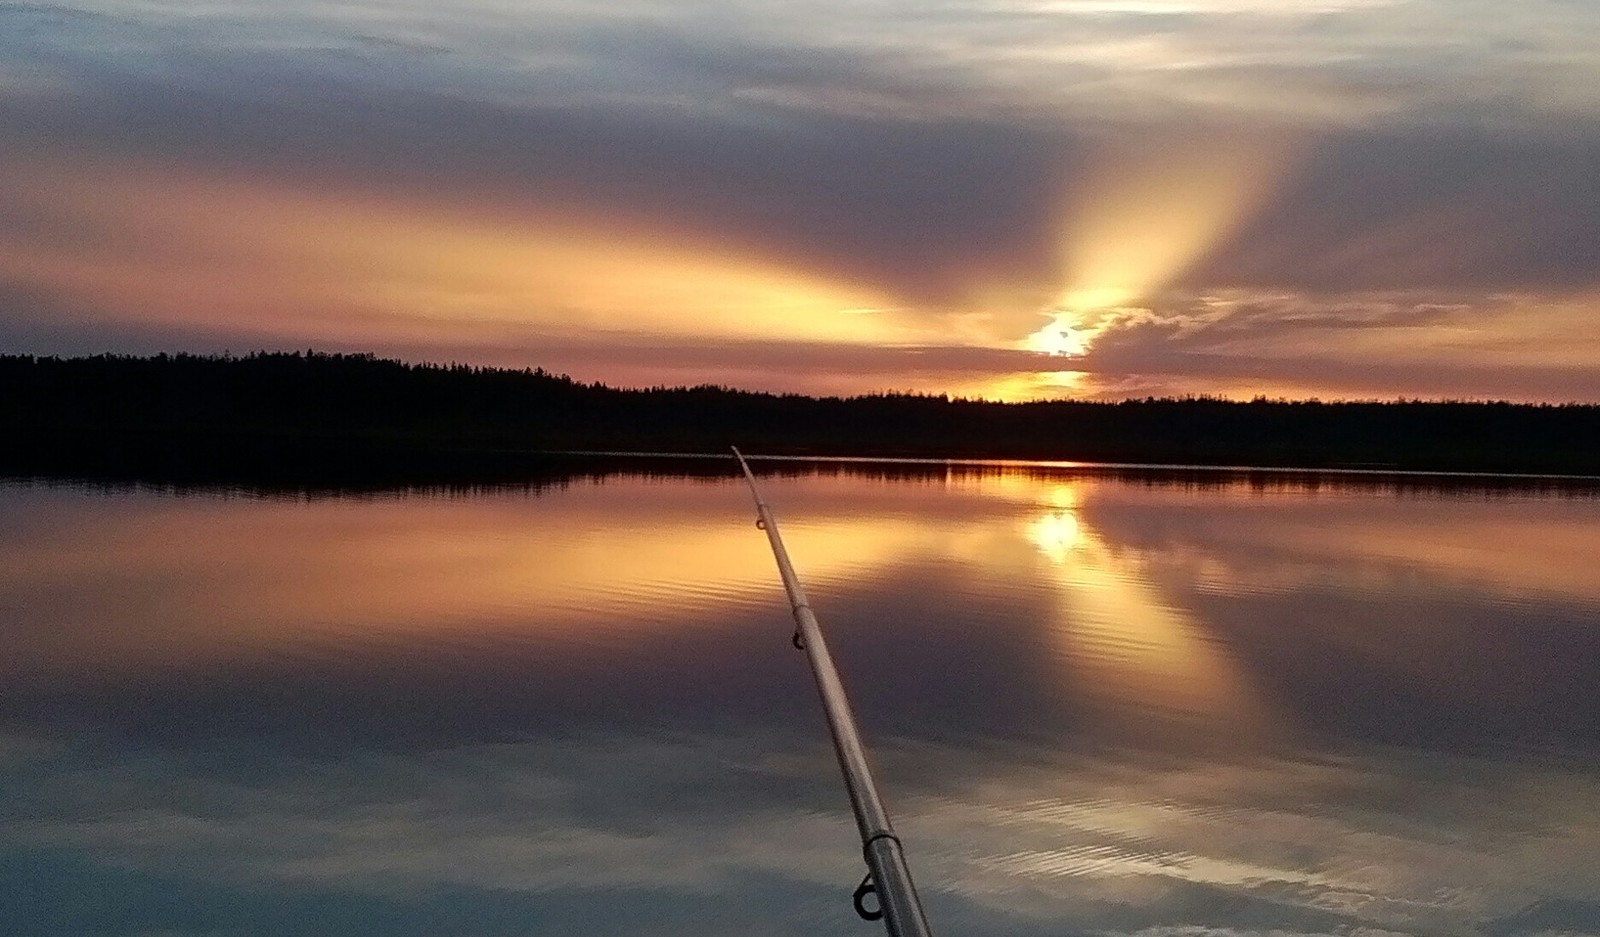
(383,271)
(1138,221)
(1145,216)
(1135,647)
(377,268)
(1029,385)
(1054,534)
(1060,338)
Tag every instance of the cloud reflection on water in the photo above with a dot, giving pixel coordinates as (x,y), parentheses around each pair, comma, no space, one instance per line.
(1028,843)
(1097,706)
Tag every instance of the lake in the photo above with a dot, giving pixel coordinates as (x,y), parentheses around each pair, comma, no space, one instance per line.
(1099,701)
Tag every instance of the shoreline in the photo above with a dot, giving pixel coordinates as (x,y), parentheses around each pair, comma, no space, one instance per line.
(370,470)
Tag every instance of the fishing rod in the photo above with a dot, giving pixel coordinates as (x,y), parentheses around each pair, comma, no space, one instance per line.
(887,875)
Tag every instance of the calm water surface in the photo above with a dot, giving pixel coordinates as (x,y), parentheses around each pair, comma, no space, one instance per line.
(1172,706)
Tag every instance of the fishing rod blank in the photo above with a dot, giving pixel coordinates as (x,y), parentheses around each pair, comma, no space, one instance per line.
(887,875)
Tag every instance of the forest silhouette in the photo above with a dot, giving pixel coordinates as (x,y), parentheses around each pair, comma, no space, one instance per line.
(357,414)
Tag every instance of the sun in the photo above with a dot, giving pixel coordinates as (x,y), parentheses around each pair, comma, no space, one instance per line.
(1059,337)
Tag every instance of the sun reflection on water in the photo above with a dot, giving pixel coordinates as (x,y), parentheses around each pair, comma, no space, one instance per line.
(1095,743)
(1054,535)
(1131,650)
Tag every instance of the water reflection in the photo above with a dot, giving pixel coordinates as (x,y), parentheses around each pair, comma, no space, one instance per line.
(1098,704)
(197,581)
(1133,653)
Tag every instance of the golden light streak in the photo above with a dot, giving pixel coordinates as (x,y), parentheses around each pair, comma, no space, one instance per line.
(240,580)
(290,262)
(295,263)
(1143,216)
(1028,385)
(1147,213)
(1136,651)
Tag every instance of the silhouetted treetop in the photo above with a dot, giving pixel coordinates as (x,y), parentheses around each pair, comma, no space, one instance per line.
(189,406)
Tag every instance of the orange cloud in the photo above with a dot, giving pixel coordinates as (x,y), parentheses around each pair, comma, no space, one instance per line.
(295,263)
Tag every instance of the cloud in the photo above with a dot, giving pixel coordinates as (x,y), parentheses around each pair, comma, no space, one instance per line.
(727,825)
(1362,344)
(1426,209)
(917,210)
(962,168)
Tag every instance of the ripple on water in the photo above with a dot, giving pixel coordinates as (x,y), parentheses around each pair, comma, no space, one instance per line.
(1095,706)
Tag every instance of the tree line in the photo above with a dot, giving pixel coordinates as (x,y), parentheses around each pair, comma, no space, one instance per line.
(357,412)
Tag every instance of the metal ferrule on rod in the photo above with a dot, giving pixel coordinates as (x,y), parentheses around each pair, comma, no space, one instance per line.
(880,847)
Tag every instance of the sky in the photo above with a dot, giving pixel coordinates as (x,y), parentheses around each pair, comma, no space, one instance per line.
(1013,199)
